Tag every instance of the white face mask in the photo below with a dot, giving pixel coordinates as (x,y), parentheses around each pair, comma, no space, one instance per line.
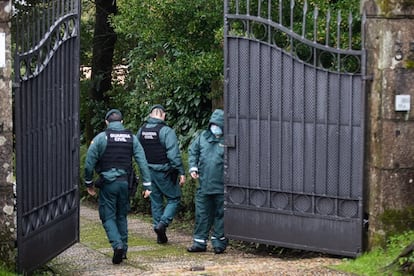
(216,130)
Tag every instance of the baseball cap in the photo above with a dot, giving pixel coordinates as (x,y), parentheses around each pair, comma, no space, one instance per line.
(157,106)
(113,111)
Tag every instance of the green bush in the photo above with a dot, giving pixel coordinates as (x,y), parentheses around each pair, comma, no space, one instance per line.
(6,270)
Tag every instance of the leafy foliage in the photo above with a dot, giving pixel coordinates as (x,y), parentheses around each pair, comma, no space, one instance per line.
(175,62)
(6,270)
(87,23)
(405,260)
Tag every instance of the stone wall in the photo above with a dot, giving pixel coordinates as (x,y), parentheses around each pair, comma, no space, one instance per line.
(390,133)
(7,200)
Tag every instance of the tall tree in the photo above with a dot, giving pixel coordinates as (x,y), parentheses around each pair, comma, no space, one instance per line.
(104,40)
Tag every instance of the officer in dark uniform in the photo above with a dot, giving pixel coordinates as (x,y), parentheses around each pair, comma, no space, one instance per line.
(110,155)
(161,148)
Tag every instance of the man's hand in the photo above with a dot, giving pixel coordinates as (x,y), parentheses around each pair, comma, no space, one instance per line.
(182,180)
(146,193)
(194,175)
(91,190)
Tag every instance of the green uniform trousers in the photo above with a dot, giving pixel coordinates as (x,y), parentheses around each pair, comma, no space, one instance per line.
(113,211)
(164,187)
(209,216)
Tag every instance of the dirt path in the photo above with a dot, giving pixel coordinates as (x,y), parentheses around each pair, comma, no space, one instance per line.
(82,259)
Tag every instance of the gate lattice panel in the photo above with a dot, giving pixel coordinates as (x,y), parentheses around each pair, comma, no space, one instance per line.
(294,132)
(46,95)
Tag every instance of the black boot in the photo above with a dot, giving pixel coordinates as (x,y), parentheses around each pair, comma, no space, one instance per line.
(117,258)
(195,248)
(219,250)
(160,230)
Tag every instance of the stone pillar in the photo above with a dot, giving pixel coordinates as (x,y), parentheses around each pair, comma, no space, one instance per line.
(7,200)
(390,133)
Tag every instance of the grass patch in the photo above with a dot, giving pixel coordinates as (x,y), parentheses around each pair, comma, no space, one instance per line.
(135,240)
(93,234)
(374,263)
(159,252)
(6,272)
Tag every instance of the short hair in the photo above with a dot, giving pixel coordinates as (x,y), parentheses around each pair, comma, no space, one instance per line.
(158,112)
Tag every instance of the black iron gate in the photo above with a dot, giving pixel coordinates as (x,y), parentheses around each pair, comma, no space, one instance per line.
(294,119)
(46,110)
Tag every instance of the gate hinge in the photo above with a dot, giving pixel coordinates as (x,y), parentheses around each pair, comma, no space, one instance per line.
(365,224)
(368,77)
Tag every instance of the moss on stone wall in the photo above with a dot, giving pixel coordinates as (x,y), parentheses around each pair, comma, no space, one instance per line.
(387,6)
(397,221)
(377,240)
(390,223)
(409,64)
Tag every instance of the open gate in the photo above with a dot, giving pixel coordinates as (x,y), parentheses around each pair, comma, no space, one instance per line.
(294,124)
(46,110)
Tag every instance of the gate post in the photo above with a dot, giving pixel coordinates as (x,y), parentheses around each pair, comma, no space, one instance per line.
(7,201)
(389,154)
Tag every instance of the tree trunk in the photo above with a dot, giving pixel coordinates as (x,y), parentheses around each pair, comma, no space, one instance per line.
(102,54)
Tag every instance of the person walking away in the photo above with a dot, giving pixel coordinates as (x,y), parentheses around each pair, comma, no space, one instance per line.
(110,155)
(162,151)
(206,157)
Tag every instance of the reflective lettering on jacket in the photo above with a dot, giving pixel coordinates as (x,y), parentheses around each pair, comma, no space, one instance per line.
(118,152)
(155,152)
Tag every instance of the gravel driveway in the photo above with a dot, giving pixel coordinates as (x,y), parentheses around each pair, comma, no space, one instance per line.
(82,259)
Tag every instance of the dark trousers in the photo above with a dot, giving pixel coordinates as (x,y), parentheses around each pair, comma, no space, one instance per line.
(113,211)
